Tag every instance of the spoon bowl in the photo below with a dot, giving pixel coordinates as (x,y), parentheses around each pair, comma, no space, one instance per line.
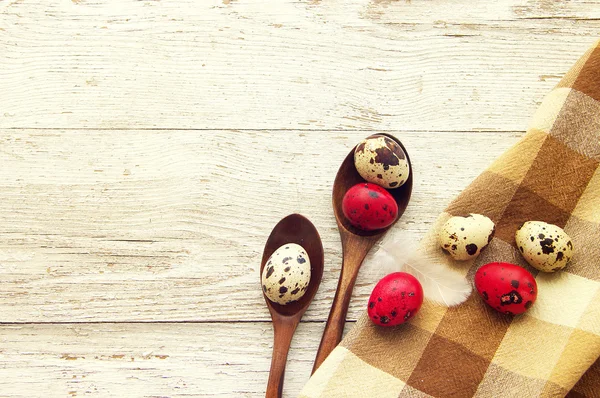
(291,229)
(347,177)
(356,243)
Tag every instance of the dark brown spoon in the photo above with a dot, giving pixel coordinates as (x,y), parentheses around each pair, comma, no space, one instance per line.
(292,229)
(355,246)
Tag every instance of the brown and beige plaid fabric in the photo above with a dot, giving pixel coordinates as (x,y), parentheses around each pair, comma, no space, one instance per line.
(551,175)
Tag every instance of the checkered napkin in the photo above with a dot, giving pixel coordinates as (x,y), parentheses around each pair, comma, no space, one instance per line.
(470,350)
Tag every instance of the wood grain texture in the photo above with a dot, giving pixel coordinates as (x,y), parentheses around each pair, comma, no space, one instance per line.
(254,64)
(134,187)
(148,360)
(170,225)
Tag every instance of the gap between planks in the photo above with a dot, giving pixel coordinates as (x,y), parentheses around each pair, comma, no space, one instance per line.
(209,322)
(154,129)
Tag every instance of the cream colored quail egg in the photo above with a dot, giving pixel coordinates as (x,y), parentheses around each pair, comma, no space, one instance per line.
(464,237)
(380,160)
(546,247)
(286,274)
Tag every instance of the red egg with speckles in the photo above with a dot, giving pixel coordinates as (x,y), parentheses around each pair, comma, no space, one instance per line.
(506,287)
(395,299)
(369,207)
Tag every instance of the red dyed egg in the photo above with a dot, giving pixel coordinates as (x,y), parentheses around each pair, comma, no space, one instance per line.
(369,207)
(506,287)
(395,299)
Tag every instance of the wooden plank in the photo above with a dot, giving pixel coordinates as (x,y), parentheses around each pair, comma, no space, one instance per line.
(252,64)
(148,360)
(170,225)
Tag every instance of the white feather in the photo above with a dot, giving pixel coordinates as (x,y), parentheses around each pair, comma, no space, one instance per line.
(440,284)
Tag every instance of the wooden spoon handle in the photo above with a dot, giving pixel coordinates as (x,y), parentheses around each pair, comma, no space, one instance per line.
(337,315)
(354,252)
(283,333)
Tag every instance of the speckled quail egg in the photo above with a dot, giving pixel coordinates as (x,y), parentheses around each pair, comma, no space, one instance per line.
(546,247)
(286,274)
(506,287)
(464,237)
(380,160)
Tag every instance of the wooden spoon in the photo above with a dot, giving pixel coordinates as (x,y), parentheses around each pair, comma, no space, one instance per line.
(292,229)
(356,244)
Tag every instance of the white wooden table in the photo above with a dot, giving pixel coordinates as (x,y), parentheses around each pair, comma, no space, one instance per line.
(147,148)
